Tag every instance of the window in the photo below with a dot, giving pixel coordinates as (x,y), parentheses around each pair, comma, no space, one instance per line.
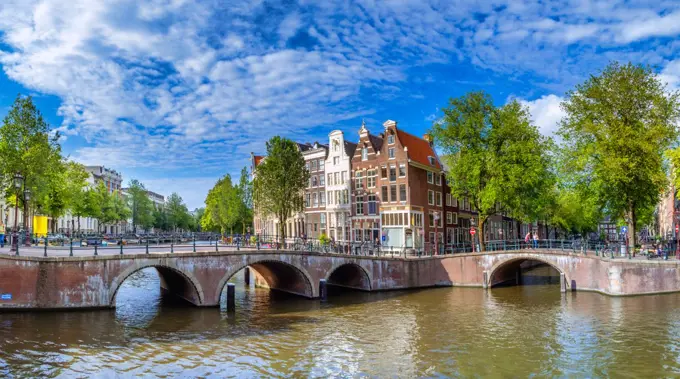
(314,181)
(358,180)
(336,160)
(316,227)
(431,160)
(360,205)
(439,180)
(345,197)
(430,197)
(449,218)
(390,139)
(307,198)
(322,198)
(314,165)
(430,217)
(329,196)
(315,200)
(454,201)
(372,205)
(371,174)
(364,153)
(393,192)
(402,192)
(336,145)
(323,220)
(430,177)
(384,194)
(322,180)
(454,218)
(307,165)
(448,199)
(393,173)
(390,153)
(309,184)
(344,177)
(322,165)
(439,199)
(330,179)
(402,170)
(383,172)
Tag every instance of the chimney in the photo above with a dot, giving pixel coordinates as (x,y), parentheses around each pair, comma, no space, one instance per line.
(427,137)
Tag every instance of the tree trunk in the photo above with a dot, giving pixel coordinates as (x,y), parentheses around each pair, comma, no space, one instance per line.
(482,239)
(78,224)
(630,237)
(282,229)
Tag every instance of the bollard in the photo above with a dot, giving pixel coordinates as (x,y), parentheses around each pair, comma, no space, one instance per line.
(246,275)
(95,249)
(172,246)
(257,242)
(194,238)
(45,245)
(147,246)
(238,244)
(323,291)
(121,245)
(70,247)
(216,247)
(231,297)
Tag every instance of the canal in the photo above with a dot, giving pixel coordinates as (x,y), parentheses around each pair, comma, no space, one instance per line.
(509,331)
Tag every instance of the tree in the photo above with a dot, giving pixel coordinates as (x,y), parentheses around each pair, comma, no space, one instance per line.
(28,148)
(160,218)
(617,126)
(140,205)
(245,204)
(178,214)
(197,216)
(106,213)
(280,181)
(75,185)
(120,208)
(222,206)
(496,158)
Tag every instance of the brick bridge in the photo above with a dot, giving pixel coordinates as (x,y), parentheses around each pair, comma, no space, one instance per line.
(93,281)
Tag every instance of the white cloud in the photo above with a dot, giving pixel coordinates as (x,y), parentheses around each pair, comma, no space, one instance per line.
(671,74)
(651,26)
(546,113)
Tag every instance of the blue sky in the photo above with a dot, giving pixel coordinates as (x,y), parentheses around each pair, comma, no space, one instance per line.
(177,93)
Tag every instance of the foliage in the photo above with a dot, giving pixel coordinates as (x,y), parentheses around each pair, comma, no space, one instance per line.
(28,147)
(228,206)
(177,212)
(280,181)
(616,128)
(196,216)
(140,205)
(496,158)
(324,240)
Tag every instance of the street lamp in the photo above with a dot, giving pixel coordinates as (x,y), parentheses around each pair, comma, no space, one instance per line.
(18,183)
(27,220)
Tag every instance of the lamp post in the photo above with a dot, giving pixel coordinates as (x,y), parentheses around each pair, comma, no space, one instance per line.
(18,183)
(27,219)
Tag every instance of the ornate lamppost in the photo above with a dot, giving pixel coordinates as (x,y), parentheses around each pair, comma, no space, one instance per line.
(18,183)
(27,218)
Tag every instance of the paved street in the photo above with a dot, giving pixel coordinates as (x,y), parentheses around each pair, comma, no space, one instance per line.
(63,251)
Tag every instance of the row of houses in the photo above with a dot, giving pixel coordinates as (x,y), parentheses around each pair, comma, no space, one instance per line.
(388,188)
(68,223)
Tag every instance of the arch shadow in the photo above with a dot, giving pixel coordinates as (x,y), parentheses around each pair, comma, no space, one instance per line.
(513,263)
(278,275)
(173,281)
(350,275)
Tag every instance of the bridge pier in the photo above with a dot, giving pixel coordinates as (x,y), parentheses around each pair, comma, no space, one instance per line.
(231,297)
(485,279)
(246,276)
(563,283)
(323,291)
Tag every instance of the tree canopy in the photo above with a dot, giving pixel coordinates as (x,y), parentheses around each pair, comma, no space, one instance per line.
(141,207)
(618,125)
(496,158)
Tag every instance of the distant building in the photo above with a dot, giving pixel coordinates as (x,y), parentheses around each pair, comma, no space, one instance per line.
(158,201)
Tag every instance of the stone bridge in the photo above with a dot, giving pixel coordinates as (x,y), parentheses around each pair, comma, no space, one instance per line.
(93,281)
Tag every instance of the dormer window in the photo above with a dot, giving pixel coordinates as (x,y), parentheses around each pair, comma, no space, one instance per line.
(364,153)
(431,159)
(336,145)
(390,139)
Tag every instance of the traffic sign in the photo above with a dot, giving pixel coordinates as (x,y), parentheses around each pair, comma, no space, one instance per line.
(472,231)
(624,229)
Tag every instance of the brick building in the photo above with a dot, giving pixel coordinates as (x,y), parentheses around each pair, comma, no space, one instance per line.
(314,217)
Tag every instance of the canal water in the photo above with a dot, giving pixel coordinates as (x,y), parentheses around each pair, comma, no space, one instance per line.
(508,332)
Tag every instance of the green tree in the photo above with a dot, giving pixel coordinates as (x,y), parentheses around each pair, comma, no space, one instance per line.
(197,216)
(160,218)
(222,206)
(140,205)
(178,214)
(280,181)
(120,208)
(496,158)
(617,126)
(29,148)
(106,214)
(245,203)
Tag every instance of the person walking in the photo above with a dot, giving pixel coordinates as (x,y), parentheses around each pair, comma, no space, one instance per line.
(2,234)
(527,238)
(535,240)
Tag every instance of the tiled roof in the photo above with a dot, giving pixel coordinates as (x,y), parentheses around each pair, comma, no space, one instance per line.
(376,141)
(418,149)
(258,159)
(350,148)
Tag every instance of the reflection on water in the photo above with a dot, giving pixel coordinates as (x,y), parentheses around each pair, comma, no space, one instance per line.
(457,332)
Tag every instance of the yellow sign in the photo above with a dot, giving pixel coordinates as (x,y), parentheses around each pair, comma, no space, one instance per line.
(40,226)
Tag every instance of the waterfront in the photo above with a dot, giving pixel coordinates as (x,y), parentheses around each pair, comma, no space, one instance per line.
(446,332)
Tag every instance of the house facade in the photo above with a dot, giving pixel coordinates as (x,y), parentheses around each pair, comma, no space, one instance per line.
(338,186)
(313,222)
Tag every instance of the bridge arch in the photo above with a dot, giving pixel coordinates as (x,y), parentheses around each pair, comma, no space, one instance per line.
(497,269)
(350,275)
(174,280)
(279,275)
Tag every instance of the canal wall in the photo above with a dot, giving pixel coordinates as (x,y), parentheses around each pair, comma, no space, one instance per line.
(92,282)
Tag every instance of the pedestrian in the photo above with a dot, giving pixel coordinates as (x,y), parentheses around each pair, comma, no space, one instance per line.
(527,238)
(535,240)
(2,234)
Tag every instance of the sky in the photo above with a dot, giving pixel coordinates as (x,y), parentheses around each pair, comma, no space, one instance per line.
(177,93)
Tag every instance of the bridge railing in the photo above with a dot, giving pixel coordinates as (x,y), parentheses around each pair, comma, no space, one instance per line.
(61,245)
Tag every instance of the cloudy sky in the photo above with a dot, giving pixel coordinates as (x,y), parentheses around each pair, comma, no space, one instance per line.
(178,92)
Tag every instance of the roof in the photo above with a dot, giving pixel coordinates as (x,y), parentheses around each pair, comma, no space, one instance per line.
(350,148)
(258,159)
(376,141)
(418,149)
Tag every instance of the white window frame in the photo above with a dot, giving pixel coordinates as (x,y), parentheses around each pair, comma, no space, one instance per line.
(430,177)
(390,139)
(438,179)
(364,153)
(430,199)
(438,199)
(448,199)
(390,153)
